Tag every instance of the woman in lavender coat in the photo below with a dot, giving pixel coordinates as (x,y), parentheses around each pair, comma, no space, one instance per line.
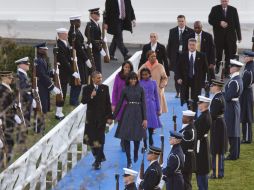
(152,103)
(119,84)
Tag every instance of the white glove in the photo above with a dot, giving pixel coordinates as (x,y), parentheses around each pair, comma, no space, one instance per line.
(88,64)
(1,144)
(103,53)
(56,90)
(34,103)
(90,45)
(17,119)
(1,123)
(133,23)
(76,75)
(105,39)
(56,71)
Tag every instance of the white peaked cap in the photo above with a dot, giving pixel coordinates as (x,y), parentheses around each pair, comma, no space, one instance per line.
(128,171)
(75,17)
(235,62)
(189,113)
(204,99)
(24,59)
(61,30)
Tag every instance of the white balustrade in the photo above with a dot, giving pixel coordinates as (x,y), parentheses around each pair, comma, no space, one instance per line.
(51,153)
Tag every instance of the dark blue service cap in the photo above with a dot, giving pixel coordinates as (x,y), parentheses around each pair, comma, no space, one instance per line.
(41,45)
(248,53)
(95,10)
(176,134)
(154,150)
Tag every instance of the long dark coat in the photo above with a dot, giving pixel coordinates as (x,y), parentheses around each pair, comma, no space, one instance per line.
(173,45)
(203,125)
(97,113)
(233,89)
(131,186)
(246,99)
(188,145)
(45,84)
(112,16)
(173,174)
(161,56)
(200,67)
(64,58)
(218,130)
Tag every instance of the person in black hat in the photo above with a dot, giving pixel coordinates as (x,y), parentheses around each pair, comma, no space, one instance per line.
(129,179)
(172,174)
(218,131)
(233,91)
(246,99)
(153,173)
(93,34)
(8,116)
(44,74)
(76,39)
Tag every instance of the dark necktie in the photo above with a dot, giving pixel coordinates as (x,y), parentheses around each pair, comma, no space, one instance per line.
(191,67)
(122,10)
(181,37)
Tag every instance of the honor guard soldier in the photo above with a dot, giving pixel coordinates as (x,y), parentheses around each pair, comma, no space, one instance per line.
(129,179)
(153,173)
(203,125)
(246,99)
(76,40)
(44,74)
(188,145)
(25,88)
(172,174)
(93,34)
(218,131)
(233,91)
(8,116)
(63,57)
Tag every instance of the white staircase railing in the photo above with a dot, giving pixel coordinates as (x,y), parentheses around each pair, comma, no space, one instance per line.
(49,159)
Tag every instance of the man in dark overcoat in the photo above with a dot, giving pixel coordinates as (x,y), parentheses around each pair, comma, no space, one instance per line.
(119,16)
(218,131)
(188,145)
(176,39)
(233,91)
(226,29)
(203,125)
(246,99)
(190,74)
(98,113)
(157,47)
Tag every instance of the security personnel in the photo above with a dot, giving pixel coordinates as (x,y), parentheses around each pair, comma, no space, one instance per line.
(129,179)
(43,72)
(76,38)
(203,125)
(25,87)
(172,174)
(8,116)
(233,91)
(65,69)
(218,131)
(246,99)
(188,145)
(93,34)
(153,173)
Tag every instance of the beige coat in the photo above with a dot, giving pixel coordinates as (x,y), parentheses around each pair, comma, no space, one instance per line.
(159,75)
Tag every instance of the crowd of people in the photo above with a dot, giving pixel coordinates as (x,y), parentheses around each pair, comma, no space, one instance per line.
(138,99)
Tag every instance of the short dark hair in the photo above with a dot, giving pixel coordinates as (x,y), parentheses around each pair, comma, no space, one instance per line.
(192,40)
(145,69)
(95,73)
(132,75)
(150,52)
(180,16)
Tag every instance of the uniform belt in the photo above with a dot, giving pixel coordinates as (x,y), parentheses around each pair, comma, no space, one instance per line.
(220,116)
(190,150)
(205,135)
(134,102)
(178,172)
(235,99)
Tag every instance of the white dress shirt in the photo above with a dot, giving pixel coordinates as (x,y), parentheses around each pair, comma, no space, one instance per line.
(22,71)
(153,46)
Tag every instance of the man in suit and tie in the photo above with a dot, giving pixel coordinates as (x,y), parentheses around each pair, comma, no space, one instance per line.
(226,29)
(157,47)
(177,36)
(190,74)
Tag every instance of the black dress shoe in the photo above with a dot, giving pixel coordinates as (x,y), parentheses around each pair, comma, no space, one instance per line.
(220,177)
(229,158)
(212,177)
(127,56)
(113,58)
(103,159)
(94,163)
(59,118)
(97,165)
(135,159)
(129,165)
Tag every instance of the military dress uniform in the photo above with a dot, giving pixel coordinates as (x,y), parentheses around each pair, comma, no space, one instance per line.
(172,174)
(188,144)
(233,91)
(246,100)
(130,184)
(93,34)
(203,125)
(218,132)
